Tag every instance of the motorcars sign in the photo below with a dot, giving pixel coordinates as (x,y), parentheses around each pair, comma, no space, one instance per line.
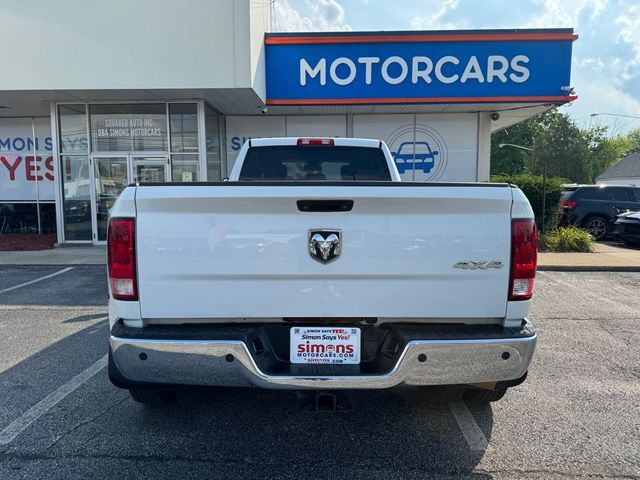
(426,67)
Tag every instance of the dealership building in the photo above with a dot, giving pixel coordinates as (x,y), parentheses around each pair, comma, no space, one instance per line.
(103,94)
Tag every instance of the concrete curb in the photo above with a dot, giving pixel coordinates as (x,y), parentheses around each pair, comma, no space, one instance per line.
(588,268)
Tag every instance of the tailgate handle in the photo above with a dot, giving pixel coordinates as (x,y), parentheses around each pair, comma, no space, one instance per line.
(325,205)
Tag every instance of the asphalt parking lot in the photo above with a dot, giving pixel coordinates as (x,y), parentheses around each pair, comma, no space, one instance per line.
(577,416)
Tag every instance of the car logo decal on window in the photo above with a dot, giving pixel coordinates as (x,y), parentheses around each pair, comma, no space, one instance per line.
(325,246)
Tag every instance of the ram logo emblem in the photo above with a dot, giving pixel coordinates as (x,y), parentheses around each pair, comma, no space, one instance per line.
(325,246)
(478,265)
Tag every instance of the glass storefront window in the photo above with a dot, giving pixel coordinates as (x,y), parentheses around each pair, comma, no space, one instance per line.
(110,179)
(183,120)
(133,142)
(76,197)
(149,169)
(184,168)
(73,128)
(23,218)
(212,131)
(132,127)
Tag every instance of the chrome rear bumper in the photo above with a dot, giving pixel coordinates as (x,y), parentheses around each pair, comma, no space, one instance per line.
(229,363)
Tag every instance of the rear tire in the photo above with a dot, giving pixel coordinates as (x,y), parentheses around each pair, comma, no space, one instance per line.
(597,226)
(484,396)
(150,398)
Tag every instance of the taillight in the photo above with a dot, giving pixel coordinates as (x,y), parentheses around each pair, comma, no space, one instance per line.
(328,142)
(121,258)
(568,204)
(524,256)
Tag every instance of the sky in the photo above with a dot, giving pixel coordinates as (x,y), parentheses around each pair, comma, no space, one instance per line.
(606,57)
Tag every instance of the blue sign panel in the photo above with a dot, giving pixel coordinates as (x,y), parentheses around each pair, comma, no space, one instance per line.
(483,67)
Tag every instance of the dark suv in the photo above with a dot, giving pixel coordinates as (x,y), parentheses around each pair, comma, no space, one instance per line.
(594,208)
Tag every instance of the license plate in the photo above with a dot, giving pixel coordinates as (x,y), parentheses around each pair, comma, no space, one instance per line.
(333,345)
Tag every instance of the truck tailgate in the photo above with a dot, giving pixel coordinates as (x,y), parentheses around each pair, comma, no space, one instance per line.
(242,251)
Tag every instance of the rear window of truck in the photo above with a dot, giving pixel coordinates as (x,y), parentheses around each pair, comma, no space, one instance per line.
(314,163)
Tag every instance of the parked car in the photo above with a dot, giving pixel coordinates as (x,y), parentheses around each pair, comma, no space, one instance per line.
(424,157)
(627,228)
(595,207)
(320,283)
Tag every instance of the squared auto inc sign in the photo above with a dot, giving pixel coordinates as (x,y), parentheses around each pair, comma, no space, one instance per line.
(429,67)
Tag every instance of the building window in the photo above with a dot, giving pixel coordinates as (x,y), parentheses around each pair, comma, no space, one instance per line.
(129,128)
(76,197)
(23,217)
(26,175)
(183,125)
(183,122)
(212,131)
(73,128)
(184,168)
(102,147)
(74,171)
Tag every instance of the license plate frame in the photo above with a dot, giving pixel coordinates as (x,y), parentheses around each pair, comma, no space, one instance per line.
(325,345)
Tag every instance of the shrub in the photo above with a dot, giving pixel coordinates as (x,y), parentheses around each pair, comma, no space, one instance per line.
(531,186)
(566,239)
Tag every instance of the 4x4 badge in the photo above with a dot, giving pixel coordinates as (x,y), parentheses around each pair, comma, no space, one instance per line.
(325,246)
(481,265)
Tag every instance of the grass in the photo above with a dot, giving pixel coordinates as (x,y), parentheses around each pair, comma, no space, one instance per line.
(566,239)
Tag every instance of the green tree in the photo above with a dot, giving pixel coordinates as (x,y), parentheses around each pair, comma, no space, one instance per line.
(634,140)
(605,152)
(509,160)
(564,148)
(578,155)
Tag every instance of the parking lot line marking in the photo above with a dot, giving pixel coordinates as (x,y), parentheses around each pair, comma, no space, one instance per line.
(25,420)
(64,270)
(98,326)
(468,426)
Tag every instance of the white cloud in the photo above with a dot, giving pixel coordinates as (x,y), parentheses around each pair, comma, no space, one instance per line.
(288,19)
(557,13)
(325,15)
(435,21)
(595,64)
(606,58)
(597,95)
(630,35)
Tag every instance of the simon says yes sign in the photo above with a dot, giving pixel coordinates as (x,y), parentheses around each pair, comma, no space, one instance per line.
(26,161)
(456,67)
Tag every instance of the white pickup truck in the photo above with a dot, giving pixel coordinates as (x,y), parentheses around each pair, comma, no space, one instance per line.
(314,268)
